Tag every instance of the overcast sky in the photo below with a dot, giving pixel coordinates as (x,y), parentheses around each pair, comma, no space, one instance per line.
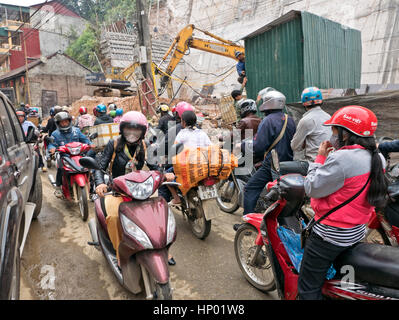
(24,3)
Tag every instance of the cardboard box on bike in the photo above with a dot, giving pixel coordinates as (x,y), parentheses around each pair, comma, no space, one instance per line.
(105,132)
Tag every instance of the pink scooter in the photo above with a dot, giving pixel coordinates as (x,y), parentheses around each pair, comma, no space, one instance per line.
(148,227)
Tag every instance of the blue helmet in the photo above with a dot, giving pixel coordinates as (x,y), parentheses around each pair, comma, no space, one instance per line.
(101,108)
(311,96)
(119,112)
(52,111)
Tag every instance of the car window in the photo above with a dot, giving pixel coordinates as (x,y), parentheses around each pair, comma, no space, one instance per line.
(17,126)
(8,128)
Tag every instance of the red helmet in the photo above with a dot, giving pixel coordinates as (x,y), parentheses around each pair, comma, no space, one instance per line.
(134,119)
(183,106)
(358,120)
(82,110)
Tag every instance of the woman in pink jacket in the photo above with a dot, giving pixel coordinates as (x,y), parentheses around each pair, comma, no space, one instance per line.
(333,179)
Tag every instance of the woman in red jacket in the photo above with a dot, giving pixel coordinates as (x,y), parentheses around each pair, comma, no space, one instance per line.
(333,179)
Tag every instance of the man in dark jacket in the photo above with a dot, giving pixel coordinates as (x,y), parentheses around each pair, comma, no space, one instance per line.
(166,118)
(268,131)
(102,116)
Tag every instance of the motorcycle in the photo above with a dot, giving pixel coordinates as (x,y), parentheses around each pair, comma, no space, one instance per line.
(75,179)
(148,227)
(199,207)
(376,267)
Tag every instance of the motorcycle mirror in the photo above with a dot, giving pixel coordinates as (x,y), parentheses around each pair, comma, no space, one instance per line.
(89,163)
(31,136)
(275,161)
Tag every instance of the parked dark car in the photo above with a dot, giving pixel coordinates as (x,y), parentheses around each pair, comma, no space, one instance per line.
(20,195)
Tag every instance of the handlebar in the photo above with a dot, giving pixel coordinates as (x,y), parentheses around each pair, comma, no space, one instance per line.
(271,195)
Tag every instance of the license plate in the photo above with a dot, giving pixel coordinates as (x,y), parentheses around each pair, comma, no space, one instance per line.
(207,192)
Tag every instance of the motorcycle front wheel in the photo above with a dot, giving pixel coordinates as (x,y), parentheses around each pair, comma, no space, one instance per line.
(260,273)
(163,291)
(232,205)
(83,202)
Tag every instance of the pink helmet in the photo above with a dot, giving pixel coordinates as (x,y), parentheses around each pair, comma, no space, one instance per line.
(183,106)
(134,119)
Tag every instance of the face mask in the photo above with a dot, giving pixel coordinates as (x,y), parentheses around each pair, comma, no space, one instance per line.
(132,136)
(334,140)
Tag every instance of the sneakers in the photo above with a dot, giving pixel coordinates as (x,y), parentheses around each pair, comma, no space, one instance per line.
(236,226)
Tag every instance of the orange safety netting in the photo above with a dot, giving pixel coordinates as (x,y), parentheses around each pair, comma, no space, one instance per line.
(193,165)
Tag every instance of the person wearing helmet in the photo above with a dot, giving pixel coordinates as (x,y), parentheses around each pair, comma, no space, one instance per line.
(120,156)
(166,118)
(64,134)
(352,175)
(249,120)
(102,116)
(112,107)
(310,133)
(23,121)
(85,120)
(274,132)
(118,115)
(51,125)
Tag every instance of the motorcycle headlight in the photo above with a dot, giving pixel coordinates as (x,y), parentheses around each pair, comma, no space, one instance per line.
(141,191)
(134,231)
(75,151)
(171,227)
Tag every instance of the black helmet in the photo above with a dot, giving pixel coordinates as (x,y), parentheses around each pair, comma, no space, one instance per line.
(246,106)
(60,116)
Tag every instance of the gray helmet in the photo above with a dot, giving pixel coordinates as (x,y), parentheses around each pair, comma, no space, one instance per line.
(245,106)
(273,100)
(264,91)
(60,116)
(57,109)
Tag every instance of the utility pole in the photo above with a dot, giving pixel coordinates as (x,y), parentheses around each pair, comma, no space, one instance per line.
(144,37)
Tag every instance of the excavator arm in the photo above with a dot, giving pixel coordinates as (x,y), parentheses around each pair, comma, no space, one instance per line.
(184,41)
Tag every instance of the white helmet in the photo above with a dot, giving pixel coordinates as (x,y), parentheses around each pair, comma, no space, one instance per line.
(264,91)
(273,100)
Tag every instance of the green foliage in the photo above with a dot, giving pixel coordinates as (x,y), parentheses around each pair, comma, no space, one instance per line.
(84,48)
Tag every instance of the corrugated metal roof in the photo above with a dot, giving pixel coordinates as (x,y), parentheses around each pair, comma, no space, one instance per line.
(291,15)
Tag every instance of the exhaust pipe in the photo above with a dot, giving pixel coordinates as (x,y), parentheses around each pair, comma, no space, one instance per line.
(93,232)
(52,180)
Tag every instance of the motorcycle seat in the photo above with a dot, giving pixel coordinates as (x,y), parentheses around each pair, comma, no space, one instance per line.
(373,263)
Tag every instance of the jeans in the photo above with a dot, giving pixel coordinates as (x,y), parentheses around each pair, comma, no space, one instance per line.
(287,167)
(317,259)
(255,186)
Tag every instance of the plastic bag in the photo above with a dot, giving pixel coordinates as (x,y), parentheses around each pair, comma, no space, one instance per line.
(292,244)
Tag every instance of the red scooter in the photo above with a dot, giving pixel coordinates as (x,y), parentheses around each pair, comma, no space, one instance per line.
(148,227)
(266,264)
(75,179)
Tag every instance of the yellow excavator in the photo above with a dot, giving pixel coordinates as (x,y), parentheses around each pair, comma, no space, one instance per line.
(181,44)
(185,40)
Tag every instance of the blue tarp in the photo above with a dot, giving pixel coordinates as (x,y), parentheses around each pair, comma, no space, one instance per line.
(292,244)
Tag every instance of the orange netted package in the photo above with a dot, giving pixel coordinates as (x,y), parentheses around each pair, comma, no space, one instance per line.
(193,165)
